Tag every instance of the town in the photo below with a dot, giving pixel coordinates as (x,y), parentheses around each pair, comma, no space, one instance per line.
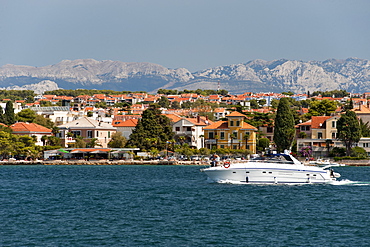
(104,124)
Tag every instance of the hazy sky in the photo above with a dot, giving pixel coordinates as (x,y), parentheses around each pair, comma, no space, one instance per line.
(194,34)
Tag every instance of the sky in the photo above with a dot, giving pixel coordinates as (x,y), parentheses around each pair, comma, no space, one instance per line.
(192,34)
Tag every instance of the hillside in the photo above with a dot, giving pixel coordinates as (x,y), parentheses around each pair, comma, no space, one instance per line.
(352,74)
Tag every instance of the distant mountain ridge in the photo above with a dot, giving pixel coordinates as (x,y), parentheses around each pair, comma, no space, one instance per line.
(351,74)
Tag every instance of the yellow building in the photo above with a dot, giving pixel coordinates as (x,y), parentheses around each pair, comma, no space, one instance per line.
(233,133)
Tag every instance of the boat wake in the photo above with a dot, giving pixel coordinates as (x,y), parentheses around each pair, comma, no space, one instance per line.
(349,182)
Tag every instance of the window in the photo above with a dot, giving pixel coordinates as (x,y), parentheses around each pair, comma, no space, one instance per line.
(235,146)
(269,129)
(177,128)
(211,135)
(89,134)
(222,135)
(76,133)
(188,128)
(222,146)
(108,134)
(231,123)
(319,135)
(333,135)
(333,124)
(238,123)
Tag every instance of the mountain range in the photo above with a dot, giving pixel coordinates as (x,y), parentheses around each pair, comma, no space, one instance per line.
(352,75)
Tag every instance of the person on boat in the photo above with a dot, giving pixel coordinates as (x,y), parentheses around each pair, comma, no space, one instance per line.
(215,159)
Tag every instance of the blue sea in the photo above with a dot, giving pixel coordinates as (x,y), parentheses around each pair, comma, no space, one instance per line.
(176,206)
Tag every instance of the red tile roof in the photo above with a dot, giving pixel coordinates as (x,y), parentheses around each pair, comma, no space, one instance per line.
(318,121)
(217,125)
(235,114)
(29,127)
(127,123)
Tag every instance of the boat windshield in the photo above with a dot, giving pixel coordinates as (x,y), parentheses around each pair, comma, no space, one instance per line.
(277,158)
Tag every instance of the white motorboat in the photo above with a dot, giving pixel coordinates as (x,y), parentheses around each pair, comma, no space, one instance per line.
(272,169)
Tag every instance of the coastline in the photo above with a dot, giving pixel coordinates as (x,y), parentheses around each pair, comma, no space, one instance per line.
(103,162)
(139,162)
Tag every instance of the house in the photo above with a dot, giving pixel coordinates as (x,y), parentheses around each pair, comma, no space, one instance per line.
(31,129)
(233,133)
(57,114)
(362,112)
(86,128)
(190,130)
(320,133)
(125,126)
(220,113)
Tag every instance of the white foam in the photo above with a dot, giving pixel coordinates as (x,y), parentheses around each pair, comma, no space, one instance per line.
(349,182)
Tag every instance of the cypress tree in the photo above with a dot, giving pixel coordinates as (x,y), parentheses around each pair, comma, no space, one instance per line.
(9,116)
(349,131)
(284,126)
(2,118)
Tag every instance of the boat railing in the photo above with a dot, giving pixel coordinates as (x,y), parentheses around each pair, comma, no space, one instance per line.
(273,161)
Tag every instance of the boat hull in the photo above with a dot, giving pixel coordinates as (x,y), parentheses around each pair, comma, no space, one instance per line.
(267,174)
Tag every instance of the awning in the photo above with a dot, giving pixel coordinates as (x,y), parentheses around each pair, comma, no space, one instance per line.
(99,152)
(77,152)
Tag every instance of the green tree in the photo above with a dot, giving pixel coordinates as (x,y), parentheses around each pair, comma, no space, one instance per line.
(254,104)
(349,131)
(365,129)
(46,122)
(359,152)
(9,115)
(164,102)
(274,103)
(152,125)
(348,105)
(175,105)
(2,117)
(117,141)
(26,115)
(79,142)
(284,126)
(262,144)
(322,107)
(92,143)
(262,102)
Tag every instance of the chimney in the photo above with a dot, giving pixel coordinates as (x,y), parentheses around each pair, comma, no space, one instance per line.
(198,119)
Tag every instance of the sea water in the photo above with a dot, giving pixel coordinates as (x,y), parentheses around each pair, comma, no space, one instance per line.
(176,206)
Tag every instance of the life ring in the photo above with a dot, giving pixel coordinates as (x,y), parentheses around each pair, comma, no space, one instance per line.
(227,164)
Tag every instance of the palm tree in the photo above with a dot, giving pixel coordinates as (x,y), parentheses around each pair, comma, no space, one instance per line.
(232,136)
(328,143)
(44,138)
(216,137)
(246,137)
(181,139)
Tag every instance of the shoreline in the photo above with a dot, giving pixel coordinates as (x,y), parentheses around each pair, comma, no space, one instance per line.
(103,162)
(130,162)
